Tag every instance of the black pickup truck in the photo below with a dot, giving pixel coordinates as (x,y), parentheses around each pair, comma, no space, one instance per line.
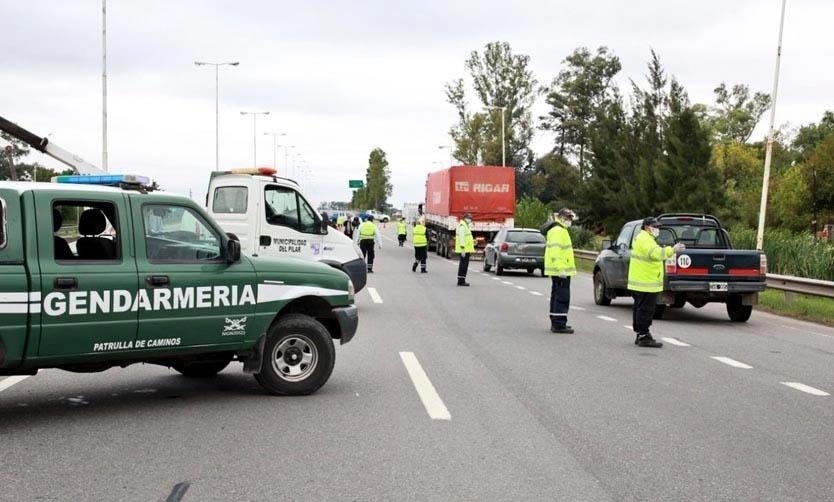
(709,270)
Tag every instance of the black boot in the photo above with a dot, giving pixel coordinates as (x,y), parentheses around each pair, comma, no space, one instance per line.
(424,271)
(564,329)
(462,282)
(414,267)
(646,340)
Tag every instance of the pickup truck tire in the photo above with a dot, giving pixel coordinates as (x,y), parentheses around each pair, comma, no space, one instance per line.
(200,369)
(531,271)
(659,310)
(738,312)
(600,290)
(298,357)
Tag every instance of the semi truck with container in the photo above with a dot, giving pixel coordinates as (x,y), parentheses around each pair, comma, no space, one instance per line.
(485,192)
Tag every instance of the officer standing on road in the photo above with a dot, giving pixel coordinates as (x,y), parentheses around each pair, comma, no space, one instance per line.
(402,231)
(559,265)
(348,228)
(464,246)
(421,246)
(645,278)
(368,236)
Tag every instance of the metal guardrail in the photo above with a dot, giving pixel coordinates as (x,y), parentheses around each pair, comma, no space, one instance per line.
(787,283)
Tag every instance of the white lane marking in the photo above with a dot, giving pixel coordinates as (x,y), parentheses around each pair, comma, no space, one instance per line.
(628,327)
(675,341)
(806,388)
(732,362)
(9,381)
(578,308)
(520,287)
(606,318)
(806,331)
(536,293)
(508,283)
(496,278)
(374,295)
(431,400)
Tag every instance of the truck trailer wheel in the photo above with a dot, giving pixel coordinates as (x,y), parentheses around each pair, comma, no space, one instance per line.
(298,357)
(600,290)
(738,312)
(200,369)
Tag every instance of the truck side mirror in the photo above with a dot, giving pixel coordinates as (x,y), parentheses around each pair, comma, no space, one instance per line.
(324,225)
(606,244)
(232,251)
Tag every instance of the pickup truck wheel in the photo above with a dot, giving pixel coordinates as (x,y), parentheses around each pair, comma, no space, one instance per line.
(738,312)
(298,357)
(600,290)
(530,271)
(659,310)
(680,302)
(200,369)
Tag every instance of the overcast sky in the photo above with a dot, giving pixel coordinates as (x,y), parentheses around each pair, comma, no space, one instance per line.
(341,78)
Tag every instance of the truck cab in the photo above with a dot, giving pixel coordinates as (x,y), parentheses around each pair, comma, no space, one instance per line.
(93,277)
(271,217)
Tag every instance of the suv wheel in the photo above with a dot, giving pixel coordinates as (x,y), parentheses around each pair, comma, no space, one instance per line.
(298,357)
(600,290)
(200,369)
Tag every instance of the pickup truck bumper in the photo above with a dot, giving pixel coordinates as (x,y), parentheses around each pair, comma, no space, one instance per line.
(704,287)
(348,318)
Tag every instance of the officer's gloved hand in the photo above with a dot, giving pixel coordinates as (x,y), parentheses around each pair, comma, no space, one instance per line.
(680,246)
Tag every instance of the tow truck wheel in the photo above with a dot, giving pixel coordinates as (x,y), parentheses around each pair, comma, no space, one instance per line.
(298,357)
(600,295)
(200,369)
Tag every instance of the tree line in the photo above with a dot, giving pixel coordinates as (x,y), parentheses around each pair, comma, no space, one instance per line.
(620,154)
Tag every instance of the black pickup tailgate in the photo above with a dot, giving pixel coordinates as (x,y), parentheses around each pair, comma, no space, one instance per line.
(716,270)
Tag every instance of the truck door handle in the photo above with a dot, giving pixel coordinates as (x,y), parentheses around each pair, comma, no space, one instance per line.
(66,283)
(265,240)
(157,280)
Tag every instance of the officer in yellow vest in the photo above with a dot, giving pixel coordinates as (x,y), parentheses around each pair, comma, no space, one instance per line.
(421,246)
(368,236)
(464,246)
(645,278)
(560,267)
(402,231)
(340,221)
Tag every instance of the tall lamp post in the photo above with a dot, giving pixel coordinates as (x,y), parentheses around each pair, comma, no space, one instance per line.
(255,133)
(104,85)
(447,147)
(275,146)
(770,134)
(216,106)
(503,129)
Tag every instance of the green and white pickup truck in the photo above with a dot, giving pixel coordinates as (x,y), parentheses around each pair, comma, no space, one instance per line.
(94,277)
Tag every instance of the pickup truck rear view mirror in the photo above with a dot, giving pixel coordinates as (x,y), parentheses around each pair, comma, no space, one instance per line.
(232,251)
(606,244)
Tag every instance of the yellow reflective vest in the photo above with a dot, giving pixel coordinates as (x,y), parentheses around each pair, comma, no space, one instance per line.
(558,255)
(367,230)
(419,236)
(467,244)
(645,269)
(340,220)
(402,229)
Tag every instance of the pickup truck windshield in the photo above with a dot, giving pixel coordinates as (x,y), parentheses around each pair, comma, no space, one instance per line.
(694,236)
(177,234)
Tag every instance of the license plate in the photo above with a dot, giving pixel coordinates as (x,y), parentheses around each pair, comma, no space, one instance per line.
(718,286)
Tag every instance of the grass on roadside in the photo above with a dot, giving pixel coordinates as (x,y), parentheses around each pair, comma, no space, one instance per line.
(810,308)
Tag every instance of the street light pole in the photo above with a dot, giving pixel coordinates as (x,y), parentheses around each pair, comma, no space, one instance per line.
(275,147)
(503,129)
(255,132)
(216,106)
(770,135)
(104,85)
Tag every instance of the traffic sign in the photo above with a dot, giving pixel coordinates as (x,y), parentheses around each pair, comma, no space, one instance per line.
(355,183)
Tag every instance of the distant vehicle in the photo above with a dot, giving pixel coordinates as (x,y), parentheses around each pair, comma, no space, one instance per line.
(486,192)
(271,217)
(708,271)
(515,248)
(384,218)
(411,212)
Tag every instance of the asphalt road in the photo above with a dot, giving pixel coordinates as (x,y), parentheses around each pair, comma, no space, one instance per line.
(451,393)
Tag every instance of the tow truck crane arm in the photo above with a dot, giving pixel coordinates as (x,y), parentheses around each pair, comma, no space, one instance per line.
(43,145)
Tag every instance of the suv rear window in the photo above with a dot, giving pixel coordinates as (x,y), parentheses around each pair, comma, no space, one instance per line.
(230,200)
(525,237)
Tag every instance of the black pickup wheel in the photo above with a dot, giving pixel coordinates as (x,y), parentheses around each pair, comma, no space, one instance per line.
(600,290)
(738,312)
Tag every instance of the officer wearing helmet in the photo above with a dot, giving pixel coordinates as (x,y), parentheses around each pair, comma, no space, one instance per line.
(645,278)
(368,236)
(464,246)
(559,265)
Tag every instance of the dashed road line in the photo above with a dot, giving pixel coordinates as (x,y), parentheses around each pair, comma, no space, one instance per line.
(520,287)
(806,388)
(578,308)
(536,293)
(496,278)
(428,395)
(374,295)
(628,327)
(508,283)
(9,381)
(675,341)
(606,318)
(732,362)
